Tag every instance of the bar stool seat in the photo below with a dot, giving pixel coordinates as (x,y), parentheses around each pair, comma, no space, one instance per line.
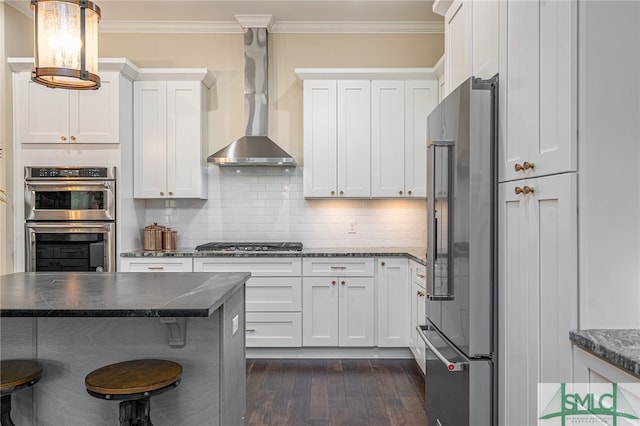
(134,383)
(15,375)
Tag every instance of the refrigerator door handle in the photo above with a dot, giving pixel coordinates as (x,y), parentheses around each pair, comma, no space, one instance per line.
(451,366)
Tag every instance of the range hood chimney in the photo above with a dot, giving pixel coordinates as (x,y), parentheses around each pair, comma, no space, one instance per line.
(255,148)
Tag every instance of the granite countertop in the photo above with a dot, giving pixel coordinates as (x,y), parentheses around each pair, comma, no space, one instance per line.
(117,294)
(414,253)
(621,347)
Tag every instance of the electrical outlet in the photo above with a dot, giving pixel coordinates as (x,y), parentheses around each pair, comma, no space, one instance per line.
(353,227)
(235,325)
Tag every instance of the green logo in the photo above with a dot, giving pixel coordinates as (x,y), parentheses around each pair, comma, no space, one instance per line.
(589,406)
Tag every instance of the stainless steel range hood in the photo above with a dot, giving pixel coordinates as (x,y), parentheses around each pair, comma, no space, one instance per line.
(255,148)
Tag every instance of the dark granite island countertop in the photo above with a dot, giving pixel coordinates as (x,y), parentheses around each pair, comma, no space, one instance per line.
(74,323)
(117,294)
(620,347)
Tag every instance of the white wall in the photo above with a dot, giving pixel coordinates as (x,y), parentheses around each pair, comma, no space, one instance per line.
(260,203)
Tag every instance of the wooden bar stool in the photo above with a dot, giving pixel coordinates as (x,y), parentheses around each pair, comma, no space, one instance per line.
(15,375)
(134,383)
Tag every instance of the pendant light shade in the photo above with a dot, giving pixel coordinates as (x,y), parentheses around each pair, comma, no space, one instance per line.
(66,43)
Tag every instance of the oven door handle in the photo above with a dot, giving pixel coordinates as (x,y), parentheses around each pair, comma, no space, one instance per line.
(451,366)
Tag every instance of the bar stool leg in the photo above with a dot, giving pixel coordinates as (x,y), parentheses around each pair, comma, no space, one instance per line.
(127,413)
(5,409)
(143,407)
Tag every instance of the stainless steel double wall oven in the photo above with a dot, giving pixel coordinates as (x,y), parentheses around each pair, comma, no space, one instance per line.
(70,218)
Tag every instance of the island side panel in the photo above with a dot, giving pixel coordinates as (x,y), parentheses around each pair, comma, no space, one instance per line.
(233,360)
(70,348)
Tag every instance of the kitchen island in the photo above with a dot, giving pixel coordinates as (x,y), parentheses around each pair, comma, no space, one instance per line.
(73,323)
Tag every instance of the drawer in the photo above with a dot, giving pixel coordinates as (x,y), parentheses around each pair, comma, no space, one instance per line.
(419,275)
(273,329)
(259,267)
(273,294)
(338,266)
(165,264)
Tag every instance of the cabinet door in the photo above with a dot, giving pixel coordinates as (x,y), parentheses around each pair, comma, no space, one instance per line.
(393,302)
(42,113)
(485,27)
(457,35)
(417,345)
(420,99)
(320,311)
(538,250)
(387,138)
(320,138)
(94,114)
(356,312)
(184,161)
(354,138)
(150,139)
(540,94)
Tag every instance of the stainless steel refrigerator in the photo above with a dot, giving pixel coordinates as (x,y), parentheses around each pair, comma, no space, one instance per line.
(461,320)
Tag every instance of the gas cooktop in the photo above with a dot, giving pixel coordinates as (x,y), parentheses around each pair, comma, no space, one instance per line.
(272,246)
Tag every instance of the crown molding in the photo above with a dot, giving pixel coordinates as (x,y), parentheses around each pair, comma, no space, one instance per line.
(298,27)
(255,21)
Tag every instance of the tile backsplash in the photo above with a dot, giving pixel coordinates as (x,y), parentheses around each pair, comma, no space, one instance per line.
(267,204)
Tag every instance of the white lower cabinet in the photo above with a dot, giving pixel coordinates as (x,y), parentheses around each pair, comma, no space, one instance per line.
(393,319)
(338,309)
(273,297)
(537,240)
(417,306)
(156,264)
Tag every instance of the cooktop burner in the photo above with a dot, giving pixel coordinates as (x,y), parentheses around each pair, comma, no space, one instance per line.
(277,246)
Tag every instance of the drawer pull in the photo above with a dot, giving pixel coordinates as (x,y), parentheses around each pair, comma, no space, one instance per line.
(250,330)
(338,267)
(420,276)
(155,268)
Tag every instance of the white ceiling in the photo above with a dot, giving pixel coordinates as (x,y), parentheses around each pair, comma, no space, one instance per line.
(399,16)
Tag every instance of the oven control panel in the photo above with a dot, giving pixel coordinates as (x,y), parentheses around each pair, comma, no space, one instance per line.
(69,173)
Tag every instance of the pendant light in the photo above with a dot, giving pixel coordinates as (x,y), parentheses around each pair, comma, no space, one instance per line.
(66,44)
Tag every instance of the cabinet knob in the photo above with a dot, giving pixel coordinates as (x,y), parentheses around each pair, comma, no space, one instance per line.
(382,263)
(524,166)
(343,283)
(170,193)
(333,283)
(162,194)
(73,138)
(63,138)
(409,192)
(333,192)
(419,293)
(400,192)
(341,192)
(524,190)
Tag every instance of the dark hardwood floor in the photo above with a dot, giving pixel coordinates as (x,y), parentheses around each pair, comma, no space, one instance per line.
(336,392)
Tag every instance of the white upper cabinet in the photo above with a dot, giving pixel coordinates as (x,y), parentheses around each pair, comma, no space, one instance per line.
(536,140)
(354,138)
(458,43)
(170,127)
(420,98)
(471,40)
(61,116)
(337,134)
(399,111)
(387,138)
(320,138)
(365,131)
